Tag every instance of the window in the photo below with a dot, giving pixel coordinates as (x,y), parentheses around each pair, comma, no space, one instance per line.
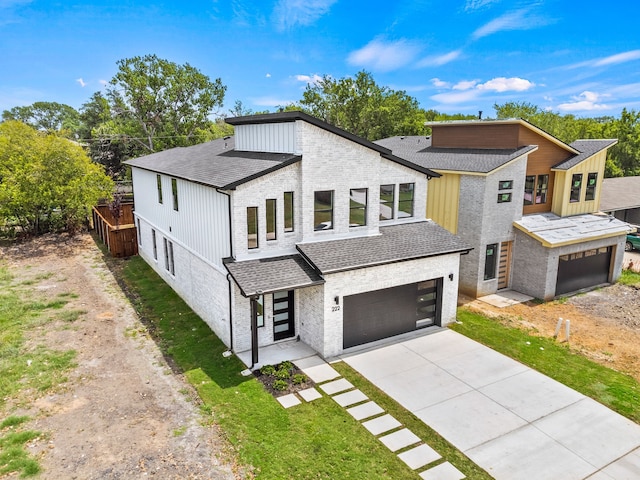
(323,210)
(139,233)
(168,256)
(155,246)
(357,207)
(590,193)
(490,257)
(541,188)
(387,196)
(288,211)
(260,311)
(174,190)
(271,219)
(529,186)
(252,227)
(505,185)
(576,185)
(159,182)
(405,200)
(504,197)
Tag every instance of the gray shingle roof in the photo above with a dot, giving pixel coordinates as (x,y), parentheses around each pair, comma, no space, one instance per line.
(213,163)
(620,193)
(267,275)
(587,148)
(418,150)
(395,243)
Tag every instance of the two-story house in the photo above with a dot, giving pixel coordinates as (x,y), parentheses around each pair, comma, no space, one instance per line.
(295,229)
(526,201)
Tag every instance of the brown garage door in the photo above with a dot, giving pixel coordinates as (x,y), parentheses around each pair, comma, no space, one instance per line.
(380,314)
(583,269)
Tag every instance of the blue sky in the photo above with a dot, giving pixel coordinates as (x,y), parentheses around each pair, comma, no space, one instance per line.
(453,56)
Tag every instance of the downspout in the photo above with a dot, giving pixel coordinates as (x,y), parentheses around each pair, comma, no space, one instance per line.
(228,277)
(230,314)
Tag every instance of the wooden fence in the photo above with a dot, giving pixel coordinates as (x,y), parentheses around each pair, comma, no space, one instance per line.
(120,235)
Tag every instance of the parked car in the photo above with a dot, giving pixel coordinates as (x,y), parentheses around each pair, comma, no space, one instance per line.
(633,241)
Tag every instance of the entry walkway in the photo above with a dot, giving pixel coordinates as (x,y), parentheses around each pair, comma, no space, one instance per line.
(507,418)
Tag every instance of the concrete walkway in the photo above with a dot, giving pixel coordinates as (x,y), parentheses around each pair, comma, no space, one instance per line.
(510,420)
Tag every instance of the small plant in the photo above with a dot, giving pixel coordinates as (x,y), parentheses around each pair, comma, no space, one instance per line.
(280,385)
(299,379)
(283,374)
(268,370)
(287,365)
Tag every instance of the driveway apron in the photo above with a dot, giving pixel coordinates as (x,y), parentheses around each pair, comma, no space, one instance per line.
(509,419)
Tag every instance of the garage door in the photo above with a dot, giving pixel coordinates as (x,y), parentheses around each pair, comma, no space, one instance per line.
(380,314)
(583,270)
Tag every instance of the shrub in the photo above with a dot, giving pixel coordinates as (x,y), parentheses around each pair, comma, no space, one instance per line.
(268,370)
(287,365)
(280,385)
(299,379)
(283,373)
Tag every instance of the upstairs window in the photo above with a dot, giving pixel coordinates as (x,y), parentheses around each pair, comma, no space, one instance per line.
(252,227)
(174,191)
(529,187)
(271,219)
(323,210)
(357,207)
(405,200)
(504,197)
(159,183)
(590,192)
(538,185)
(288,211)
(576,186)
(387,197)
(541,188)
(505,185)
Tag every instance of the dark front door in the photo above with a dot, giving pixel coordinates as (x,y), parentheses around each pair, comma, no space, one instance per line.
(283,315)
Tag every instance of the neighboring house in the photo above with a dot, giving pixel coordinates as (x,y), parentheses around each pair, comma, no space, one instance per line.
(298,229)
(621,198)
(527,202)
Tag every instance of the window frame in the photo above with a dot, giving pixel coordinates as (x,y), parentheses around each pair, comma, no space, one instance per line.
(359,207)
(529,188)
(490,261)
(317,211)
(256,225)
(574,191)
(259,313)
(590,190)
(405,201)
(271,224)
(159,186)
(505,185)
(155,244)
(540,192)
(169,261)
(289,221)
(387,203)
(139,232)
(504,197)
(174,193)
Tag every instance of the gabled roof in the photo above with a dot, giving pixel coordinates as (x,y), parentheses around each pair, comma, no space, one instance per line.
(418,150)
(620,193)
(214,163)
(587,149)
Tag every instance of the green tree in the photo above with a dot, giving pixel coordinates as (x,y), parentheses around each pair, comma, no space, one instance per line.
(160,104)
(625,156)
(46,182)
(360,106)
(47,116)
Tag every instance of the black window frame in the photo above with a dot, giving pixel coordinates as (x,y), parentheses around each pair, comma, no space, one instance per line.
(576,188)
(504,197)
(529,189)
(271,205)
(260,311)
(590,189)
(155,244)
(406,201)
(169,262)
(159,186)
(174,193)
(387,203)
(505,185)
(256,224)
(490,261)
(355,206)
(318,213)
(289,222)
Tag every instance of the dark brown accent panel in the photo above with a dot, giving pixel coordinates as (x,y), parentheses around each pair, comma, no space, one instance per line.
(501,136)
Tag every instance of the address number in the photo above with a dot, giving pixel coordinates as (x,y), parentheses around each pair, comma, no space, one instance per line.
(335,308)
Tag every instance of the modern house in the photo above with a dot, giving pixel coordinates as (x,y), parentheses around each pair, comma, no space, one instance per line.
(527,202)
(295,229)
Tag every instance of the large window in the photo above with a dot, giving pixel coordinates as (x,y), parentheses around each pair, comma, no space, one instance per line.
(357,207)
(159,183)
(529,187)
(174,191)
(536,184)
(252,227)
(271,219)
(576,186)
(590,192)
(541,188)
(490,256)
(405,200)
(387,197)
(323,210)
(288,211)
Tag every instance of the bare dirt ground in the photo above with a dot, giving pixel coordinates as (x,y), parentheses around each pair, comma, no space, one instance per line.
(605,323)
(122,414)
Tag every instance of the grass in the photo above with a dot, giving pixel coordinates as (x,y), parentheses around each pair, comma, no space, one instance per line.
(614,389)
(629,277)
(317,440)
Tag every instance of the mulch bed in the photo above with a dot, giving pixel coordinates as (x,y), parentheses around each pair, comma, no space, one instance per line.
(267,379)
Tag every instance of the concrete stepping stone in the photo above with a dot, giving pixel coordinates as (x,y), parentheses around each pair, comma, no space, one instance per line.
(350,398)
(336,386)
(288,401)
(316,369)
(444,471)
(310,394)
(419,456)
(381,424)
(400,439)
(365,410)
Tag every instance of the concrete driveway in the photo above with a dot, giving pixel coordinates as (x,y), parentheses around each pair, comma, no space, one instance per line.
(509,419)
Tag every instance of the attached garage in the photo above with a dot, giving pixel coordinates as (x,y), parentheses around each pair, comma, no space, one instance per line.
(379,314)
(583,269)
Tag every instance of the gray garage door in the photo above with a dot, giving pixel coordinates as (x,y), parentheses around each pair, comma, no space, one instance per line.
(380,314)
(583,269)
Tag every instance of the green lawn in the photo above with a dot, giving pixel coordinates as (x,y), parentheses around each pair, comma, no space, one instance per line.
(616,390)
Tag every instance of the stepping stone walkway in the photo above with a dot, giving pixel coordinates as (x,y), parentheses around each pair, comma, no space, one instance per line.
(409,447)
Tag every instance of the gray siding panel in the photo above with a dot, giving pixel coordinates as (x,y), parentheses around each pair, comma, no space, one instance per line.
(270,137)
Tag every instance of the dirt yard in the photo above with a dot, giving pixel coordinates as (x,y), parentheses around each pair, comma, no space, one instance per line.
(122,414)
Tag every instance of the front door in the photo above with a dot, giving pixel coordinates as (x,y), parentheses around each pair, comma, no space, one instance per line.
(504,267)
(283,315)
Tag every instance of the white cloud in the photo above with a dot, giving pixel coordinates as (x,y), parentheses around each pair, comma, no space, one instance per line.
(384,56)
(439,83)
(439,60)
(465,85)
(618,58)
(309,79)
(477,4)
(467,90)
(268,75)
(81,82)
(516,20)
(104,83)
(586,101)
(502,84)
(289,13)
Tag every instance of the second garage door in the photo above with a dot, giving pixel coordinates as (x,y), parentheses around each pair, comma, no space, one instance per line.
(583,269)
(383,313)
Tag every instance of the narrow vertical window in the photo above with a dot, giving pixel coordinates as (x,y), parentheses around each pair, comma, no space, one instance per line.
(576,186)
(171,262)
(288,211)
(260,311)
(541,188)
(529,186)
(166,254)
(592,180)
(387,197)
(405,200)
(159,183)
(323,210)
(252,227)
(271,219)
(174,190)
(155,245)
(490,257)
(357,207)
(139,233)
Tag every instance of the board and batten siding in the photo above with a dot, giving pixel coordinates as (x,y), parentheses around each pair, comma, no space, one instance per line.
(443,201)
(561,204)
(270,137)
(201,223)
